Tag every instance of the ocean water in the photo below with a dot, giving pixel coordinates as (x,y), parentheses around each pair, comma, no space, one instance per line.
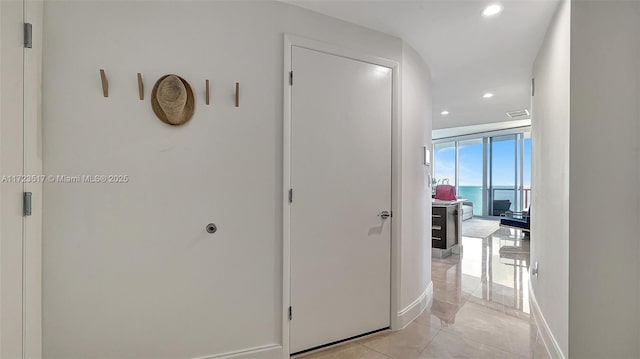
(474,194)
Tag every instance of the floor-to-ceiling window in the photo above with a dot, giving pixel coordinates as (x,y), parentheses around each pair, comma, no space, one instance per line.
(491,171)
(470,172)
(444,163)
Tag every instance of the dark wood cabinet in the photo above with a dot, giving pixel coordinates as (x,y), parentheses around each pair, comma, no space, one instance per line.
(444,226)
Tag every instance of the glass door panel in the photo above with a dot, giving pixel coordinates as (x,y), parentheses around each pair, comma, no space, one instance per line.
(526,182)
(470,172)
(503,173)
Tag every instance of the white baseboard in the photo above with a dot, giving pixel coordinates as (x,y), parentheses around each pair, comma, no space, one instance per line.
(273,351)
(549,341)
(413,310)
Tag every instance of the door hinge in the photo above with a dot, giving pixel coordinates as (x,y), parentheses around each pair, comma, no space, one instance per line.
(28,35)
(533,87)
(26,203)
(290,195)
(290,313)
(291,78)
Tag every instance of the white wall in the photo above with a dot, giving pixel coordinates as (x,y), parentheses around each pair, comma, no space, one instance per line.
(586,131)
(118,259)
(604,301)
(550,127)
(416,203)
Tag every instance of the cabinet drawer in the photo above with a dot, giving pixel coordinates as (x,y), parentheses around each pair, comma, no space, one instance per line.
(438,242)
(439,211)
(438,220)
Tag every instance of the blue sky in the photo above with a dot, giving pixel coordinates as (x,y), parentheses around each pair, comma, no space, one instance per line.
(471,163)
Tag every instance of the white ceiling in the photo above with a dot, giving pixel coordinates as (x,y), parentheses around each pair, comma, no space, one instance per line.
(468,54)
(495,127)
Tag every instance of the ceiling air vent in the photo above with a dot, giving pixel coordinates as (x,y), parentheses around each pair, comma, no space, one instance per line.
(519,113)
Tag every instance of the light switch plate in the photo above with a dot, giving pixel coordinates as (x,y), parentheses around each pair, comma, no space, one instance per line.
(427,156)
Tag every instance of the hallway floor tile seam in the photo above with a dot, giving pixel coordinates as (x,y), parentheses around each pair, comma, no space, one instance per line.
(373,350)
(479,344)
(459,305)
(432,339)
(438,330)
(492,311)
(504,310)
(467,338)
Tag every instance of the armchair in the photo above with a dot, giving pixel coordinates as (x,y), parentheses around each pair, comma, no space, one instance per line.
(501,206)
(518,220)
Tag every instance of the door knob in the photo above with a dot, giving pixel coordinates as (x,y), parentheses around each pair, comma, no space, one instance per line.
(384,214)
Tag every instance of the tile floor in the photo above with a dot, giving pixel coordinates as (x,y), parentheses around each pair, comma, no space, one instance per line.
(480,309)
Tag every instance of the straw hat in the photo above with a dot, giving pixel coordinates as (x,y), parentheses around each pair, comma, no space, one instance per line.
(172,100)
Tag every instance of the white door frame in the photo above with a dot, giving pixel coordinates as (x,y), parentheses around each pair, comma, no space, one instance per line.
(32,226)
(21,338)
(396,145)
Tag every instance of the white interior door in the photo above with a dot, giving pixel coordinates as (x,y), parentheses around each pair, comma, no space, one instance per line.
(341,114)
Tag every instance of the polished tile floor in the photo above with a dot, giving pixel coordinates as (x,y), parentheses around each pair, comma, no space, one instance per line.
(480,309)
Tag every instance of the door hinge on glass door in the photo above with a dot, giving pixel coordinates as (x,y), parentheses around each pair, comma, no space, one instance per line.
(290,195)
(28,35)
(291,78)
(290,313)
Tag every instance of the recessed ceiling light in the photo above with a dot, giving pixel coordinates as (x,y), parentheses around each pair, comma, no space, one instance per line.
(491,10)
(444,113)
(487,95)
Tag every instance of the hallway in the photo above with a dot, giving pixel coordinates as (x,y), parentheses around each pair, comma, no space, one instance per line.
(480,309)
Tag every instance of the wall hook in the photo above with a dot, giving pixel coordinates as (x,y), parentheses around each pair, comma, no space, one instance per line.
(206,91)
(105,83)
(237,94)
(140,87)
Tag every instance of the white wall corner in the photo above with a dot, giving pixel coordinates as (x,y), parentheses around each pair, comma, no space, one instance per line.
(549,341)
(271,351)
(416,308)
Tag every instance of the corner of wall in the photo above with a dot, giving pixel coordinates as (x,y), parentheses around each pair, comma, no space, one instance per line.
(550,343)
(416,288)
(550,181)
(415,309)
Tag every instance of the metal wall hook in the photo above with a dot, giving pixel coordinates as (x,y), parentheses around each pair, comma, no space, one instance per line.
(140,87)
(206,92)
(237,94)
(105,83)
